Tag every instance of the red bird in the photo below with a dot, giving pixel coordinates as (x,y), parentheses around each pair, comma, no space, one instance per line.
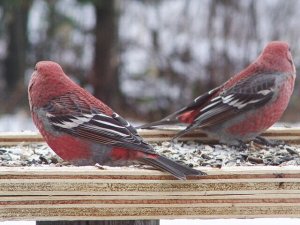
(247,104)
(83,130)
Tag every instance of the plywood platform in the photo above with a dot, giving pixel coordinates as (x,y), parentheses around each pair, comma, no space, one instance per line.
(88,193)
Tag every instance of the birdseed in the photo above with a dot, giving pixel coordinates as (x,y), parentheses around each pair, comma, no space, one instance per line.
(191,153)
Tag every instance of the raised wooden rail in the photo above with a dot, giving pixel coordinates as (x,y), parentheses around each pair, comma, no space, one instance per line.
(290,135)
(88,193)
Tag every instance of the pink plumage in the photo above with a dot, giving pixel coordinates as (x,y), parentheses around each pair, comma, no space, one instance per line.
(247,104)
(85,131)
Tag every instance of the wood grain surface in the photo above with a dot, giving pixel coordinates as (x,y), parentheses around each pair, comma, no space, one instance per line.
(87,193)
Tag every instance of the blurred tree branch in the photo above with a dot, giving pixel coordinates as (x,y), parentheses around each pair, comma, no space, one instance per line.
(105,75)
(145,58)
(15,19)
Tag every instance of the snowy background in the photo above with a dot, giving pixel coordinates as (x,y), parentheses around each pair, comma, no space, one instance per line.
(165,53)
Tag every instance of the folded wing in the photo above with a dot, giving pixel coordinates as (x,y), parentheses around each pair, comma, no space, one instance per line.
(248,94)
(73,115)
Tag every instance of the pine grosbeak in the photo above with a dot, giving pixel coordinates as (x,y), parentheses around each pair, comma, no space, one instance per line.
(247,104)
(83,130)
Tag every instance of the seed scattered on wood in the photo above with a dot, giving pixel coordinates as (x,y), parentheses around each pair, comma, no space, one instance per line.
(292,151)
(255,160)
(191,153)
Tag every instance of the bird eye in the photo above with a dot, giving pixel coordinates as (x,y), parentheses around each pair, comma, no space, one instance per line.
(35,68)
(289,49)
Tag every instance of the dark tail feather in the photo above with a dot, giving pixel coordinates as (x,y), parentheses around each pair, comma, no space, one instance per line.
(169,120)
(157,123)
(194,105)
(183,132)
(174,168)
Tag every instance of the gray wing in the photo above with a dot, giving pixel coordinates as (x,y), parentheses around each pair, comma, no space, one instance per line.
(72,115)
(248,94)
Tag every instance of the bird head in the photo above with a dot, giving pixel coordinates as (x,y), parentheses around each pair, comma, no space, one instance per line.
(277,56)
(48,68)
(48,80)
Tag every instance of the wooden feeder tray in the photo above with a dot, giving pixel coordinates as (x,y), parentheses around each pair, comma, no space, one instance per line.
(87,193)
